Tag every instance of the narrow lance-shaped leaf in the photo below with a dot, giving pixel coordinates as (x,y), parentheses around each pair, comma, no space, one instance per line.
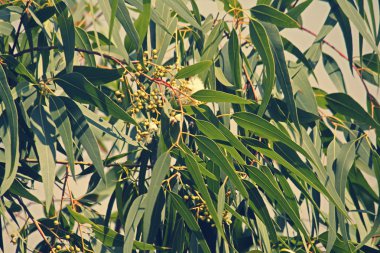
(66,25)
(334,72)
(211,149)
(346,105)
(193,70)
(82,41)
(44,136)
(260,39)
(264,129)
(354,16)
(160,169)
(219,96)
(61,119)
(81,90)
(195,173)
(82,131)
(122,14)
(189,219)
(235,58)
(12,152)
(344,162)
(180,8)
(269,14)
(282,70)
(142,22)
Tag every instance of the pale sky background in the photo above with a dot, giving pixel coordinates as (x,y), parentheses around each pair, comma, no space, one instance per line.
(313,19)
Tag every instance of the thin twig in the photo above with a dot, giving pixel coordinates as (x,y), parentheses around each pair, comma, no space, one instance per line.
(36,223)
(342,55)
(107,56)
(19,26)
(32,160)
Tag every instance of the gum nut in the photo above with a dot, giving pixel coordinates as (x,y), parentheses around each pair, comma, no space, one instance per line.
(117,93)
(154,51)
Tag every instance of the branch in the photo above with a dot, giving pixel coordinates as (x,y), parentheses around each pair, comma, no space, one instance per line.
(19,26)
(342,55)
(107,56)
(31,160)
(36,223)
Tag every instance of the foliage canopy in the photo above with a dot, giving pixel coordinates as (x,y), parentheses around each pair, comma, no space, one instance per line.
(151,126)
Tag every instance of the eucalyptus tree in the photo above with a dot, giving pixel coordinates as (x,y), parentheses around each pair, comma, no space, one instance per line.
(166,126)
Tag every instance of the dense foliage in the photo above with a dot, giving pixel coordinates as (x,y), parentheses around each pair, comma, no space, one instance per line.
(145,125)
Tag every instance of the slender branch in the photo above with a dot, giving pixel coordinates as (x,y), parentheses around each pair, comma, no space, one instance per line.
(31,160)
(19,26)
(107,56)
(342,55)
(36,223)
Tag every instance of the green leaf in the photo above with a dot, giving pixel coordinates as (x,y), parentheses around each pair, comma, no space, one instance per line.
(274,192)
(142,22)
(334,72)
(344,162)
(346,105)
(235,58)
(354,16)
(189,219)
(134,216)
(122,14)
(19,68)
(261,41)
(219,96)
(113,5)
(222,78)
(211,149)
(19,190)
(82,131)
(66,25)
(266,130)
(61,119)
(160,169)
(193,168)
(180,8)
(282,70)
(108,236)
(44,136)
(83,41)
(81,90)
(193,70)
(99,76)
(11,137)
(269,14)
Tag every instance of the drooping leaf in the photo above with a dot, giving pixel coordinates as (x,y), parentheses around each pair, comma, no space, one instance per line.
(189,219)
(346,105)
(235,58)
(61,119)
(269,14)
(159,172)
(260,39)
(82,131)
(282,70)
(44,136)
(193,70)
(11,135)
(122,14)
(66,25)
(81,90)
(219,96)
(180,8)
(209,148)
